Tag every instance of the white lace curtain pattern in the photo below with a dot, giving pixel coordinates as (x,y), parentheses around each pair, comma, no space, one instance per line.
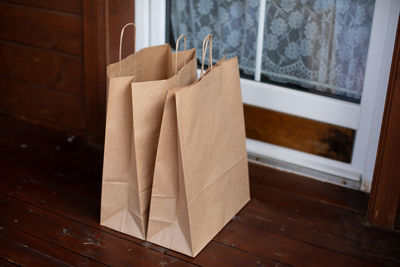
(316,44)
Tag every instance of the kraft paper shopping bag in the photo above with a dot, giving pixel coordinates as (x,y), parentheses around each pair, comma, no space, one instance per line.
(201,173)
(138,86)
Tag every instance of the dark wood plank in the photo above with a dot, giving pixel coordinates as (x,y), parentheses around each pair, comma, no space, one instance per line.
(24,249)
(45,192)
(384,203)
(339,230)
(291,183)
(51,194)
(291,209)
(94,26)
(219,254)
(45,151)
(283,249)
(36,173)
(102,22)
(303,215)
(41,28)
(42,67)
(51,107)
(5,263)
(37,178)
(70,6)
(298,133)
(79,238)
(397,222)
(313,224)
(117,20)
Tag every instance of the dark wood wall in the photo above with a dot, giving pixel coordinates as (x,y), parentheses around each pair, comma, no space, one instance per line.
(42,76)
(53,58)
(384,203)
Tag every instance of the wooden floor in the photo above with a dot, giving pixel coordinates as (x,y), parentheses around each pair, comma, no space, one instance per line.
(50,205)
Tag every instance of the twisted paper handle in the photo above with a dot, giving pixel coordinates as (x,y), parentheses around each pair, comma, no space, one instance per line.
(120,46)
(176,51)
(207,40)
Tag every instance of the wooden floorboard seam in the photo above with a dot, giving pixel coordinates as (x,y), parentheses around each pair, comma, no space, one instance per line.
(50,193)
(79,238)
(54,244)
(308,243)
(157,250)
(37,176)
(250,253)
(117,235)
(8,261)
(310,198)
(108,231)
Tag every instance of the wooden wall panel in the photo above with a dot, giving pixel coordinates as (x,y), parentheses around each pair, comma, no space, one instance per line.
(41,28)
(116,21)
(53,108)
(42,67)
(54,56)
(94,26)
(102,22)
(302,134)
(384,203)
(71,6)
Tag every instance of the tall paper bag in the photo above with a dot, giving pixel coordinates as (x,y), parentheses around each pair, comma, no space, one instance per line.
(137,90)
(201,173)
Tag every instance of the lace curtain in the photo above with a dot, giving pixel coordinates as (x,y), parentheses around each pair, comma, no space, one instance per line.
(316,44)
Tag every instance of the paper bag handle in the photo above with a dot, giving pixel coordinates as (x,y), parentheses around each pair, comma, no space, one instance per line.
(176,51)
(207,39)
(120,45)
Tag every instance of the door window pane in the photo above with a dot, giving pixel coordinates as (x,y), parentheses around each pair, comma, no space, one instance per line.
(319,46)
(233,25)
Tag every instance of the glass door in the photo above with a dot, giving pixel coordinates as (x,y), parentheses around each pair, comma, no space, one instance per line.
(322,61)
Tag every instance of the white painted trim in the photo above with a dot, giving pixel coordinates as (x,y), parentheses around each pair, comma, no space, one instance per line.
(302,159)
(260,40)
(301,104)
(382,43)
(157,22)
(142,22)
(304,171)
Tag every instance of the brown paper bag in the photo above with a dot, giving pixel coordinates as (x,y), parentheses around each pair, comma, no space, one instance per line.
(201,173)
(137,90)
